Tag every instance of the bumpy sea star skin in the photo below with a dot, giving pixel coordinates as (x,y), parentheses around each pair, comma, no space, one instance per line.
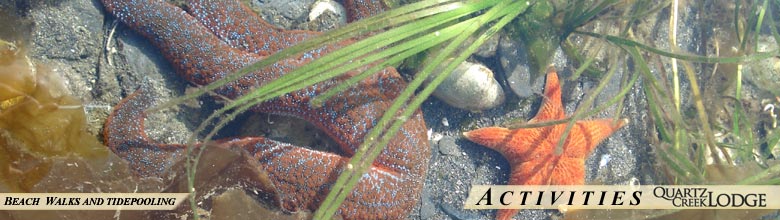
(303,176)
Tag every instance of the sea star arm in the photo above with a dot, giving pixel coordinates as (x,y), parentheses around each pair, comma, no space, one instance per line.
(515,145)
(388,190)
(359,9)
(551,108)
(124,134)
(587,135)
(240,28)
(302,176)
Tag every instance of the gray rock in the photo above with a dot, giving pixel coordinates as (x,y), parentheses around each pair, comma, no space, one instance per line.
(514,61)
(448,147)
(765,74)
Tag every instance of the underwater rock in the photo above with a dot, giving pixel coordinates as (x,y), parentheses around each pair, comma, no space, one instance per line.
(320,7)
(320,15)
(471,86)
(514,60)
(489,48)
(765,73)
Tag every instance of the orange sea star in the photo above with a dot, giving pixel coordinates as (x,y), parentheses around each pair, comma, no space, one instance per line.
(531,151)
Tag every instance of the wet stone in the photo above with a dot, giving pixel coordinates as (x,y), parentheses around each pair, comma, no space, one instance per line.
(447,146)
(514,61)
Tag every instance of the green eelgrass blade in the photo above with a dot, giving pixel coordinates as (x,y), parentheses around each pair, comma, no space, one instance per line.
(315,71)
(266,92)
(772,171)
(579,112)
(692,58)
(384,20)
(677,162)
(334,198)
(401,15)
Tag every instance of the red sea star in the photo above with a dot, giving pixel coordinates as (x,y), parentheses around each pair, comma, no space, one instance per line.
(215,38)
(531,151)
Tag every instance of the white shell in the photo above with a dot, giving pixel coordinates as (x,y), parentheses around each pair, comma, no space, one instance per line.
(471,86)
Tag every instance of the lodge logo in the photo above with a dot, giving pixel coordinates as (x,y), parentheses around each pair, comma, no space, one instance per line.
(573,197)
(684,197)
